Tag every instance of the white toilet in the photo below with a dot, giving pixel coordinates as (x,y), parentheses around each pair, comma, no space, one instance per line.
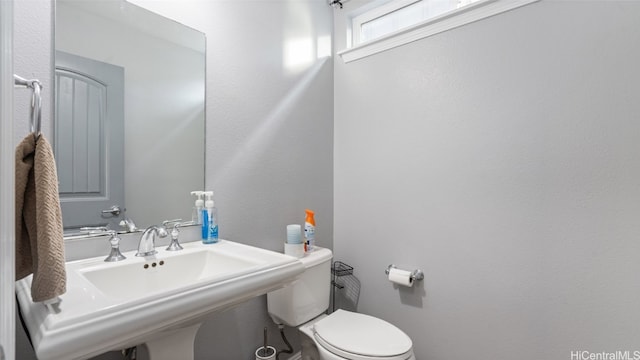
(342,335)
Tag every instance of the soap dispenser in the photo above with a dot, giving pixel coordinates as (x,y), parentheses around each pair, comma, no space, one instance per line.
(205,216)
(196,215)
(211,220)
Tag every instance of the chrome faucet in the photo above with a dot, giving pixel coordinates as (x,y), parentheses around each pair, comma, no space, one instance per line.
(147,245)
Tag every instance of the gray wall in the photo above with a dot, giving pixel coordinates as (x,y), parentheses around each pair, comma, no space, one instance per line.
(269,132)
(502,159)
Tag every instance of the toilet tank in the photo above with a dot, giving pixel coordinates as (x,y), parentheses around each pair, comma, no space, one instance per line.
(308,296)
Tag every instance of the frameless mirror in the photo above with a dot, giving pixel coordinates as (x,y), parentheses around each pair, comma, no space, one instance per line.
(129,114)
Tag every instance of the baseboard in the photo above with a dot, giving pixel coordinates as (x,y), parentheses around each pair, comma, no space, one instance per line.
(296,356)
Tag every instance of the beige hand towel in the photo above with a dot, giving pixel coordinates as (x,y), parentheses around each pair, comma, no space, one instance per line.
(39,234)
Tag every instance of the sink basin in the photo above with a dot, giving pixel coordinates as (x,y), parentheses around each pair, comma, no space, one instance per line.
(111,306)
(172,271)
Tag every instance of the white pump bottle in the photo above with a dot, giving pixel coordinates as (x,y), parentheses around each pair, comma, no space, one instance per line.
(196,216)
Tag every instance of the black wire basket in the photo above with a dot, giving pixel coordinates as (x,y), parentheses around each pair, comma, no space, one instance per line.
(341,269)
(345,289)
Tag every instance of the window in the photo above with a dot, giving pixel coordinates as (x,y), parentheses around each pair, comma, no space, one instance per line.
(397,15)
(398,22)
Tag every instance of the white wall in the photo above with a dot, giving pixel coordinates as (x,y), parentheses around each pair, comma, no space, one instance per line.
(502,159)
(269,125)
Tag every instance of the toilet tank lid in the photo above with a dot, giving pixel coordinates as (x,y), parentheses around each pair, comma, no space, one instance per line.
(315,257)
(362,334)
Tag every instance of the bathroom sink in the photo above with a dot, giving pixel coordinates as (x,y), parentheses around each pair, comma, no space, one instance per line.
(165,273)
(111,306)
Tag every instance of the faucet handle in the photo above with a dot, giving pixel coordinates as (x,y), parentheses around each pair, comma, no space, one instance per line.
(175,244)
(115,254)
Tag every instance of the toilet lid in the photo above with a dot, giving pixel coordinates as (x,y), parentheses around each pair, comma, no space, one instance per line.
(362,335)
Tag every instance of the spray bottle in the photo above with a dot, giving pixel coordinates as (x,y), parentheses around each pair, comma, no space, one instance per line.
(309,231)
(212,219)
(196,215)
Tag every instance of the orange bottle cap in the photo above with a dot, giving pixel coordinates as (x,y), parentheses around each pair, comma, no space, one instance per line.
(310,218)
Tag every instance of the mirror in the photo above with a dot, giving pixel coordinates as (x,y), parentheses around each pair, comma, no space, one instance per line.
(129,114)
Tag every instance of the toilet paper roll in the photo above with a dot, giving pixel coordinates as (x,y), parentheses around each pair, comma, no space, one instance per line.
(400,277)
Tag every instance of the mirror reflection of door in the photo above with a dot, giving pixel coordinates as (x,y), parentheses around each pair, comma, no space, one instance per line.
(89,140)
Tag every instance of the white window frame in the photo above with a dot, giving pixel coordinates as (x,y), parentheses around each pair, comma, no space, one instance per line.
(449,20)
(388,8)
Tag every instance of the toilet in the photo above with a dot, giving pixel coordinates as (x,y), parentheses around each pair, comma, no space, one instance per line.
(342,335)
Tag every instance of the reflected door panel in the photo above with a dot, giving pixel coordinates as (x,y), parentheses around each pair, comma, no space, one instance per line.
(89,140)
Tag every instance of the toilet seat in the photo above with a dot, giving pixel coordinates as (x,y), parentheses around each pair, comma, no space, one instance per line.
(362,337)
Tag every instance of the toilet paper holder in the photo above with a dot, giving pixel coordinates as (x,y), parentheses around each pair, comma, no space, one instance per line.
(416,274)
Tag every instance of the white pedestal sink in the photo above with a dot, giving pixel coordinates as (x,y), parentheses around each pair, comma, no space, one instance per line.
(159,300)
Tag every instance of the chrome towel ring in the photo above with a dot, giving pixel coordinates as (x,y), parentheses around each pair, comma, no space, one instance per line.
(36,103)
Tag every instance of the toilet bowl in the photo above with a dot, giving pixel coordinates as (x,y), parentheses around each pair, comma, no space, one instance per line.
(347,335)
(342,335)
